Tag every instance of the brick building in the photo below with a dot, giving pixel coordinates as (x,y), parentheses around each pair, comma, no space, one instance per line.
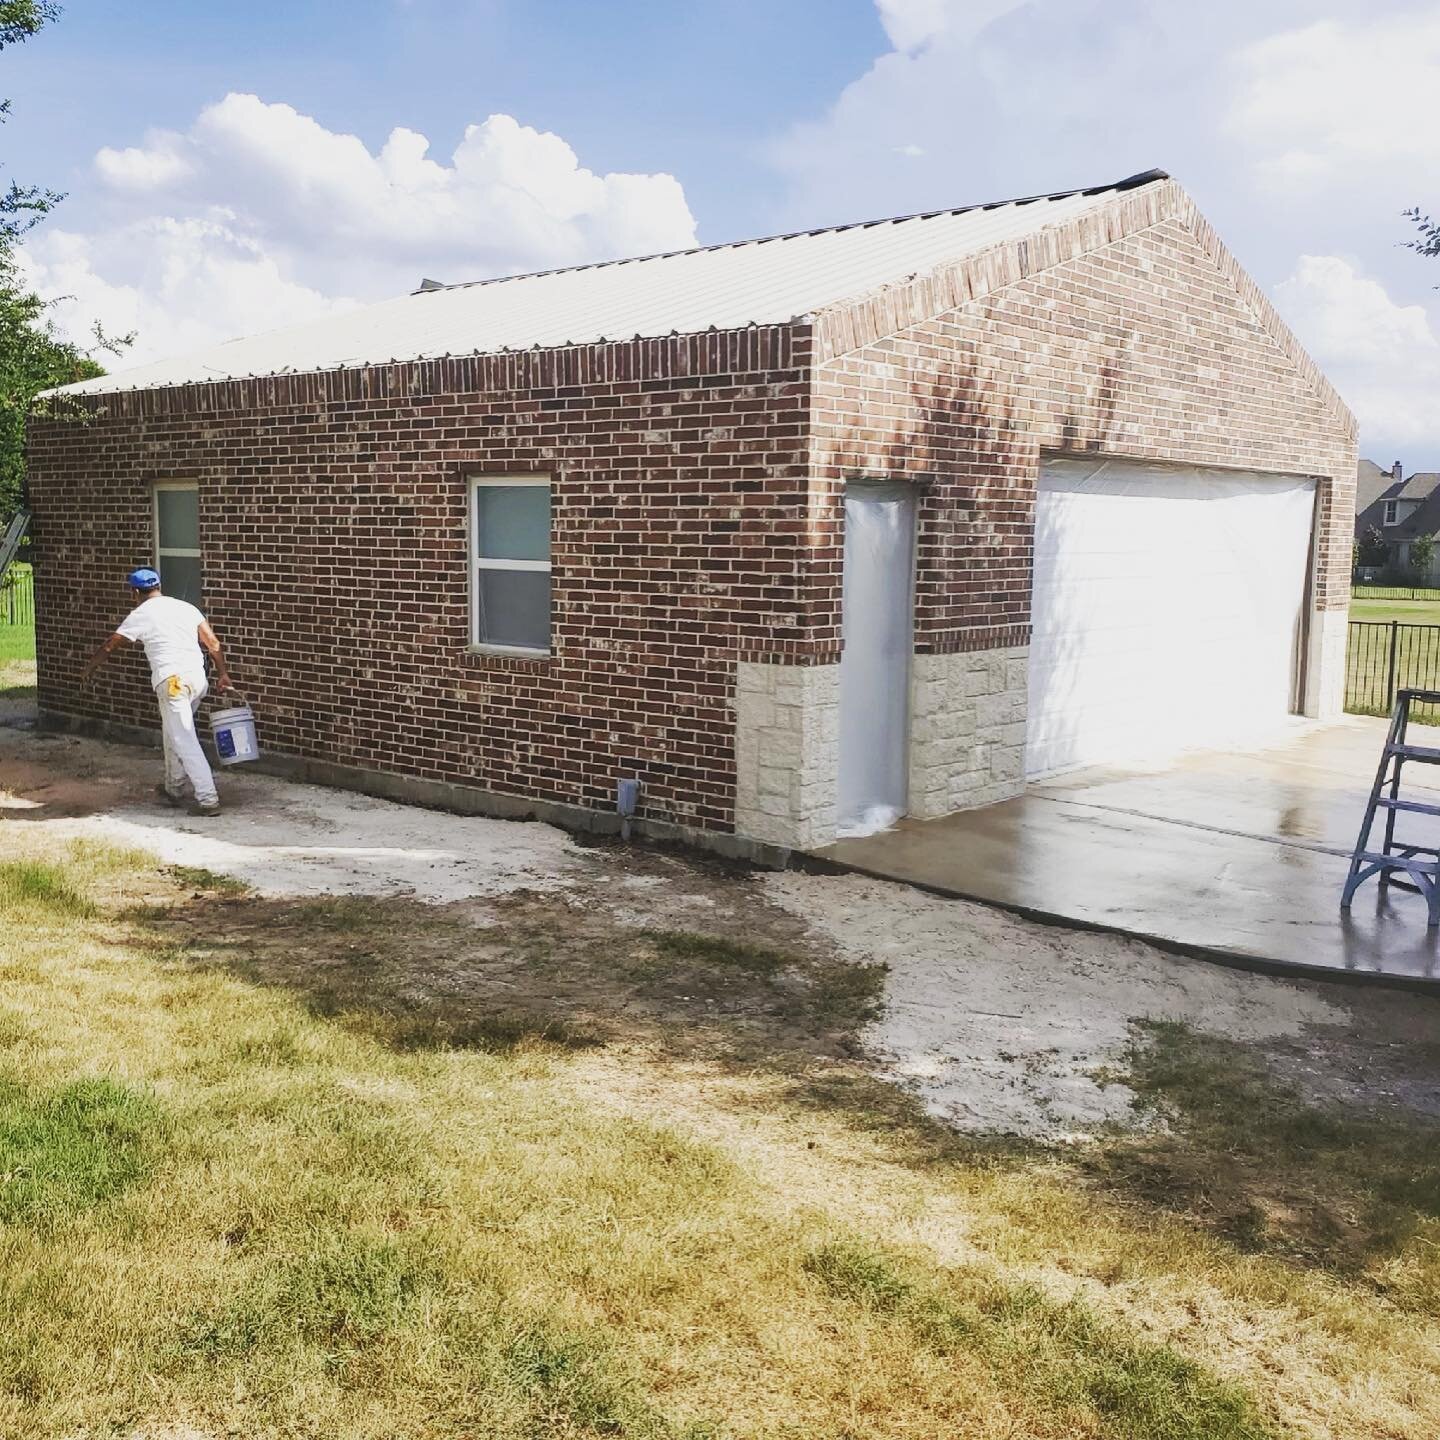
(498,546)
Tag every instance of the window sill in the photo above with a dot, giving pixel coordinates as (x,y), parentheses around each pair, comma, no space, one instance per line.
(510,652)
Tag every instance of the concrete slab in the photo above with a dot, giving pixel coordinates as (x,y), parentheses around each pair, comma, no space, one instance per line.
(1236,856)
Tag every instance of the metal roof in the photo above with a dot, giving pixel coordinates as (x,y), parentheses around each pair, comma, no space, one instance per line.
(721,287)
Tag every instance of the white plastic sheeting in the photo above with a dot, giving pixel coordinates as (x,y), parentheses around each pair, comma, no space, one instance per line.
(879,637)
(1168,609)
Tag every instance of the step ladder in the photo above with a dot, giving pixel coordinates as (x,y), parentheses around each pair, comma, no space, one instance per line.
(10,541)
(1410,867)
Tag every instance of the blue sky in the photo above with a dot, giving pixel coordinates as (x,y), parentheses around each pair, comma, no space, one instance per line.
(231,167)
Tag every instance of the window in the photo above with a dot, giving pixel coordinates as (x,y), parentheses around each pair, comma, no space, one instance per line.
(177,540)
(1390,508)
(510,551)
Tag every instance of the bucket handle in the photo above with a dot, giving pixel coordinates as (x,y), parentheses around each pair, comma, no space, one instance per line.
(233,690)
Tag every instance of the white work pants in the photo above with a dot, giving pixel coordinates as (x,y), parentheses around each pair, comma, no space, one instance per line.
(179,697)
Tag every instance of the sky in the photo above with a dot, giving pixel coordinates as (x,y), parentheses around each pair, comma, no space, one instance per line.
(233,167)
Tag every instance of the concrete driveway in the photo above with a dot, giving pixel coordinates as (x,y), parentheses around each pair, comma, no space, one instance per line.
(1235,855)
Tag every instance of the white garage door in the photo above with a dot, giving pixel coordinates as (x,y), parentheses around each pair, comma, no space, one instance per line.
(1167,609)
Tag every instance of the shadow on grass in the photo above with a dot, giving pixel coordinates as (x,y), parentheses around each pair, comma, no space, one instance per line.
(1236,1151)
(540,970)
(1229,1150)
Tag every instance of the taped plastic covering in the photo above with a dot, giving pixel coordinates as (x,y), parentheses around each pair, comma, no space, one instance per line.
(878,628)
(1168,609)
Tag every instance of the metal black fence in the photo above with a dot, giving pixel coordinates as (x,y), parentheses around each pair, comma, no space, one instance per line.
(17,598)
(1394,592)
(1385,656)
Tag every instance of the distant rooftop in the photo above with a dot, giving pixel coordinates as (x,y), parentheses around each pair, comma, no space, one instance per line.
(722,287)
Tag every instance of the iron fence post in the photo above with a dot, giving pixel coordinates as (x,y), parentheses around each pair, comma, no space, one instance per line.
(1390,676)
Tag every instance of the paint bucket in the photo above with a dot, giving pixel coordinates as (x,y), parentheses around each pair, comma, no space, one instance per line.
(233,730)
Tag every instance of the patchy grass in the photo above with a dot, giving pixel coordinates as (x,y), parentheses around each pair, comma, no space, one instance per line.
(1242,1154)
(716,950)
(209,882)
(532,969)
(236,1210)
(29,885)
(1091,1376)
(68,1150)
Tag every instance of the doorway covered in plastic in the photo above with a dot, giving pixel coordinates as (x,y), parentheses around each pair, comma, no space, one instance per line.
(878,639)
(1168,609)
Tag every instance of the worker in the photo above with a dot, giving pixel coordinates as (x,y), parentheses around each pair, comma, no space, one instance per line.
(172,632)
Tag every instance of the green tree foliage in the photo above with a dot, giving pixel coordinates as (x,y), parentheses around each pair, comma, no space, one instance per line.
(1422,552)
(22,205)
(1428,242)
(32,356)
(1373,549)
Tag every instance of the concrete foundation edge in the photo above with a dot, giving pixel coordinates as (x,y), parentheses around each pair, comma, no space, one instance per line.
(1211,954)
(450,795)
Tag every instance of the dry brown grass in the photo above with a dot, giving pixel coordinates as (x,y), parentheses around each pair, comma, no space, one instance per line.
(227,1205)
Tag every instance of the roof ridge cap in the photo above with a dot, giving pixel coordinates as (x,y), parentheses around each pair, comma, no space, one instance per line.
(1130,182)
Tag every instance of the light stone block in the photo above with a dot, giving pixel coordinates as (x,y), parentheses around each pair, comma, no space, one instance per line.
(972,752)
(1325,667)
(786,752)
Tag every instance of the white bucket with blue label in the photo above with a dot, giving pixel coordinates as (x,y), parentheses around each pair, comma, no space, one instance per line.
(233,730)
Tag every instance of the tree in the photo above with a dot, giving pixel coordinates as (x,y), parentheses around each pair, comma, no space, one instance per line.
(23,205)
(1422,552)
(32,356)
(1373,549)
(1429,241)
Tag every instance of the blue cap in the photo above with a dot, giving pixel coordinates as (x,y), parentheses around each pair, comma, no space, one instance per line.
(144,579)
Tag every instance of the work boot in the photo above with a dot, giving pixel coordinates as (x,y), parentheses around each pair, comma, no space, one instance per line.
(168,798)
(213,808)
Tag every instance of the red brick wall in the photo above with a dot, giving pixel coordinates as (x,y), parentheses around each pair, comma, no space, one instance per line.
(333,517)
(1142,347)
(696,505)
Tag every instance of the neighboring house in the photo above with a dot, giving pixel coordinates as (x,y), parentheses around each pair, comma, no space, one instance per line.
(1400,510)
(1050,474)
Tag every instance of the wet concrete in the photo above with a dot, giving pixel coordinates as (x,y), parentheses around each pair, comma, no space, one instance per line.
(1236,856)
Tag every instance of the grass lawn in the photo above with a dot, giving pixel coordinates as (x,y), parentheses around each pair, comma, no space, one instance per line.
(17,650)
(248,1184)
(17,644)
(1367,658)
(1407,612)
(17,657)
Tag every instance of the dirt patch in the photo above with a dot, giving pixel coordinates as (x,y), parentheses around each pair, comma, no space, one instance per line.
(514,929)
(559,968)
(1249,1156)
(1002,1024)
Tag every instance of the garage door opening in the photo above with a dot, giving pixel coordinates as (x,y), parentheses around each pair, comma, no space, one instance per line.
(1168,609)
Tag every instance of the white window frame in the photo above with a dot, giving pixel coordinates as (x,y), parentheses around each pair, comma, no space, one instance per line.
(479,562)
(162,551)
(1392,508)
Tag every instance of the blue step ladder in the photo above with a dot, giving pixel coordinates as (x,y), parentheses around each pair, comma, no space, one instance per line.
(1399,864)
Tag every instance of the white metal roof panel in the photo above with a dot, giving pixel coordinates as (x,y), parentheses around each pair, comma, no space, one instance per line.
(723,287)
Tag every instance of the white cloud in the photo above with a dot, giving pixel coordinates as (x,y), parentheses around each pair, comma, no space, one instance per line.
(159,163)
(1384,358)
(1294,136)
(177,285)
(1336,102)
(911,24)
(258,215)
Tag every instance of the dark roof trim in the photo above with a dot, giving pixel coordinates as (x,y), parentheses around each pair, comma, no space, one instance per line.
(1131,182)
